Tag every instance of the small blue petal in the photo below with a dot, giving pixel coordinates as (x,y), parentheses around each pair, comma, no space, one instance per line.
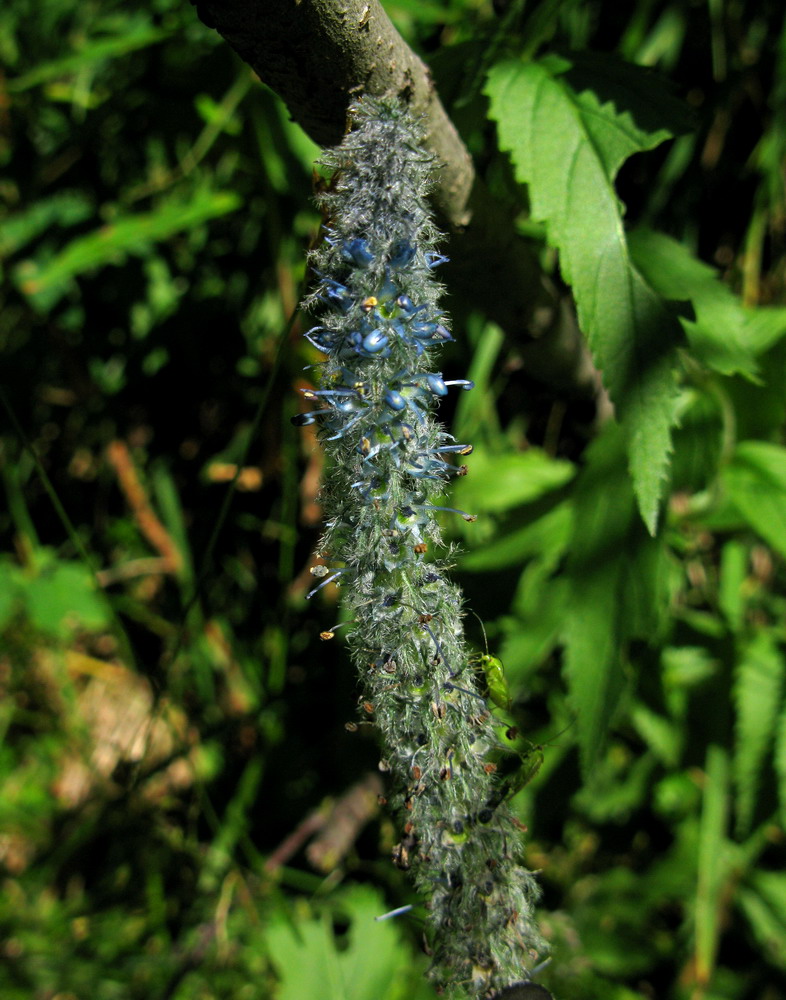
(338,294)
(424,331)
(395,400)
(401,253)
(435,259)
(375,341)
(436,385)
(357,252)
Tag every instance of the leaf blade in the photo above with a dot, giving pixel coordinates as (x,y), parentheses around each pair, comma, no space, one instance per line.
(757,693)
(755,480)
(545,126)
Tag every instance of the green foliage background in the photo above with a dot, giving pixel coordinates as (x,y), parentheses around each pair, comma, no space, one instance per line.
(169,712)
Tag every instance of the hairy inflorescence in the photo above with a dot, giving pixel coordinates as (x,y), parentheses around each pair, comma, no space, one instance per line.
(379,326)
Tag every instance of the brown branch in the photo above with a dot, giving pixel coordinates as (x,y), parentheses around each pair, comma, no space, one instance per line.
(120,459)
(319,55)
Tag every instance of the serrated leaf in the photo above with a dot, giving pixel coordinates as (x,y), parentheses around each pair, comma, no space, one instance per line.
(764,905)
(45,282)
(755,481)
(712,862)
(369,964)
(567,148)
(617,590)
(647,96)
(725,335)
(758,683)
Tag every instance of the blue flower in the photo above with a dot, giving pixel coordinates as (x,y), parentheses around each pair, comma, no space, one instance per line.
(378,327)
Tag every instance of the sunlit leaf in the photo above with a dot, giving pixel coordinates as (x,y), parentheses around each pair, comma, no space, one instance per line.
(724,335)
(63,599)
(567,146)
(763,902)
(45,282)
(660,734)
(96,50)
(619,585)
(501,482)
(713,862)
(547,535)
(731,591)
(755,480)
(758,684)
(367,964)
(66,208)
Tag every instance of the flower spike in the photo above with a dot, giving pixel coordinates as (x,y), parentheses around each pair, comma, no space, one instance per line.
(379,324)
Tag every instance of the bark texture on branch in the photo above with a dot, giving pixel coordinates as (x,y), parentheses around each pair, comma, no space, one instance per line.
(319,55)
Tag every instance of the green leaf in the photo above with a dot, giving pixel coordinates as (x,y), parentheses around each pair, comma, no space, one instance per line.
(755,480)
(618,589)
(534,634)
(687,667)
(548,535)
(724,336)
(764,905)
(712,863)
(171,507)
(731,585)
(45,282)
(371,964)
(135,36)
(757,693)
(11,588)
(780,763)
(661,735)
(63,598)
(66,208)
(567,146)
(501,482)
